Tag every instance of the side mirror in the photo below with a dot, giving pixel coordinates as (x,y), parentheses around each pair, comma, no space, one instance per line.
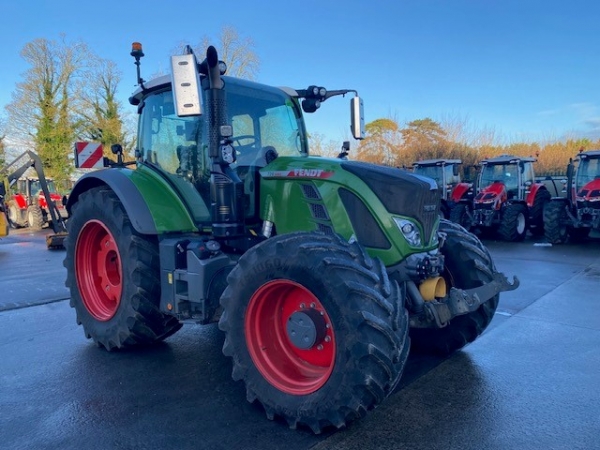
(357,118)
(455,170)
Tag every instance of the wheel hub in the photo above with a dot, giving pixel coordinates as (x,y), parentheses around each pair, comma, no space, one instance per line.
(306,329)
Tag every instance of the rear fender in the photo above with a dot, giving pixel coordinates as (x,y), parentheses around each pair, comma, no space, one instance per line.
(152,205)
(20,201)
(535,188)
(460,191)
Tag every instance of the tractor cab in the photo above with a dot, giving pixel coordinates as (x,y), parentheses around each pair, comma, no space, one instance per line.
(447,174)
(507,175)
(508,199)
(586,187)
(587,179)
(266,123)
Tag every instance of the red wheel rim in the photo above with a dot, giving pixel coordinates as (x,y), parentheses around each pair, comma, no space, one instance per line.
(288,368)
(98,270)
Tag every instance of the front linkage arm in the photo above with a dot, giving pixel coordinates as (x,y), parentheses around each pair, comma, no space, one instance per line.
(462,301)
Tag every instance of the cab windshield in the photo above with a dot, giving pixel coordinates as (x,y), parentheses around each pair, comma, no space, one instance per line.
(504,173)
(434,172)
(36,187)
(440,174)
(589,169)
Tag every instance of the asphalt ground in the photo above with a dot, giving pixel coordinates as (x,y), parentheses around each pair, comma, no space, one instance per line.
(531,381)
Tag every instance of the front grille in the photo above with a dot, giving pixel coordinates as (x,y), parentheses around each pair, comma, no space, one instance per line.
(401,192)
(484,206)
(586,204)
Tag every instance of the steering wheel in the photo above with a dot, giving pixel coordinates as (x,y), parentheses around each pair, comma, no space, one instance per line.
(248,139)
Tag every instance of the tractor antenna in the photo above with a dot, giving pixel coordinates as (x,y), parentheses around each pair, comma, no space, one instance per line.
(137,53)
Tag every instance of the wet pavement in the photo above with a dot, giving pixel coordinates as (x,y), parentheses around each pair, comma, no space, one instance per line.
(531,381)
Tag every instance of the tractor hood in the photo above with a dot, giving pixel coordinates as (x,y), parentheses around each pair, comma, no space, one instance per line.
(491,193)
(590,192)
(373,204)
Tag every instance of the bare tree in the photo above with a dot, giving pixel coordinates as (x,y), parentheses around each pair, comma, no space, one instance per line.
(99,114)
(319,146)
(236,51)
(40,111)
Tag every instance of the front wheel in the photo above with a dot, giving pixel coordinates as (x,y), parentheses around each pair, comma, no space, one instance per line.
(461,214)
(536,226)
(113,274)
(35,218)
(468,264)
(555,222)
(316,330)
(514,223)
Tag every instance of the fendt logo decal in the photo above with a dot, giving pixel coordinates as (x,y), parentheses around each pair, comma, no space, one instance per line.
(298,173)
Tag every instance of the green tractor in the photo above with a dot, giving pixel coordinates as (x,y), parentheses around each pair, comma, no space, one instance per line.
(322,273)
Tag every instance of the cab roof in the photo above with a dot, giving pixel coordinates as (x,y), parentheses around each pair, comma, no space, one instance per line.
(507,159)
(437,162)
(592,154)
(164,81)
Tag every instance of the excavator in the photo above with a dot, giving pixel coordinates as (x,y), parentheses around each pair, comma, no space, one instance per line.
(9,176)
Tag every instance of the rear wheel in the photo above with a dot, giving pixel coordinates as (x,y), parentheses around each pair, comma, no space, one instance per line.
(514,224)
(461,214)
(35,218)
(113,274)
(468,264)
(315,328)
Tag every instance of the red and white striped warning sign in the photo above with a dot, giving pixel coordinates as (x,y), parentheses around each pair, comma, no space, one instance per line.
(88,155)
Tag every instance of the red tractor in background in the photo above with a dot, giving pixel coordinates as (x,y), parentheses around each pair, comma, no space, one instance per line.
(447,175)
(32,202)
(576,215)
(508,200)
(27,206)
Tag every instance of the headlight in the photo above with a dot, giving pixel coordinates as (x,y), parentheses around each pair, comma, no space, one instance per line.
(410,231)
(435,239)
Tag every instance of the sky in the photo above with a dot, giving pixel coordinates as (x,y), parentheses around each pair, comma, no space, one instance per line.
(522,70)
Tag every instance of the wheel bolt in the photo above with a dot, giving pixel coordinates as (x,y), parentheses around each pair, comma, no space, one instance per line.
(319,347)
(327,338)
